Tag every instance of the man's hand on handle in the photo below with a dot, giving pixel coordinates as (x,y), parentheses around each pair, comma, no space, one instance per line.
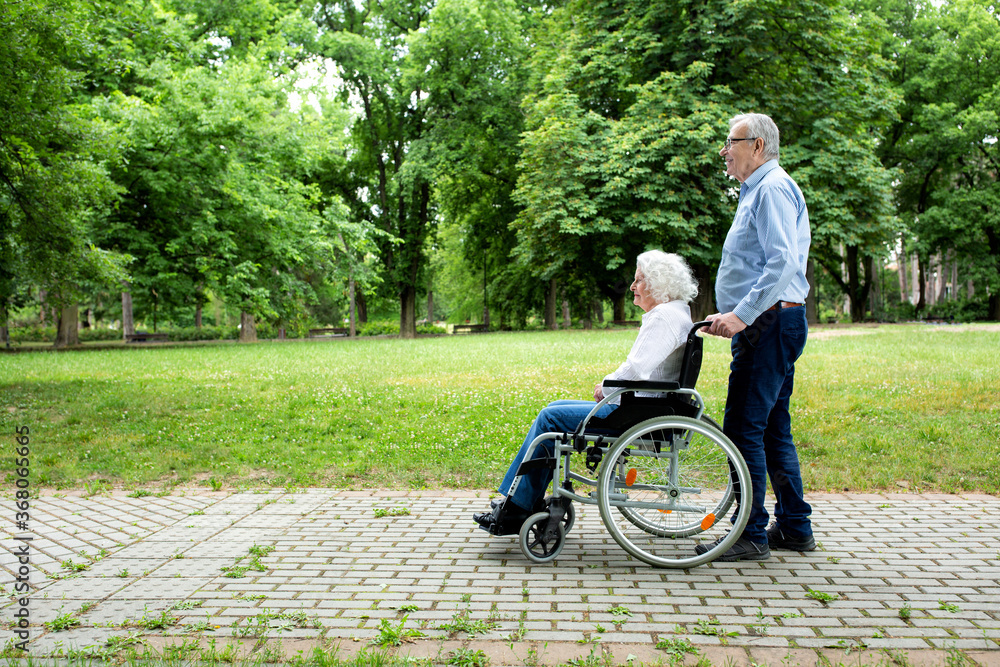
(726,325)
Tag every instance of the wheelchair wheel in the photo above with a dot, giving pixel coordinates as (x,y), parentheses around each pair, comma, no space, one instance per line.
(680,529)
(533,542)
(666,486)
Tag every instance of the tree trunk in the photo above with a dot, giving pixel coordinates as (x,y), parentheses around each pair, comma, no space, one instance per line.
(248,328)
(914,278)
(408,312)
(703,304)
(993,241)
(550,305)
(41,310)
(486,296)
(858,286)
(901,271)
(922,282)
(4,327)
(128,324)
(197,315)
(942,287)
(954,280)
(598,310)
(619,308)
(875,293)
(430,306)
(69,326)
(567,320)
(352,307)
(811,316)
(155,300)
(362,304)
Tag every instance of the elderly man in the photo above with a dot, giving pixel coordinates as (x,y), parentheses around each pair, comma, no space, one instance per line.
(760,291)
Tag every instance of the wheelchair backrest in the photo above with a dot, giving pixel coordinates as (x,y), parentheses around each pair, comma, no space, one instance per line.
(691,363)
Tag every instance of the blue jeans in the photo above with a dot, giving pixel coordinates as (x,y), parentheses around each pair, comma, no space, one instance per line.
(560,416)
(757,419)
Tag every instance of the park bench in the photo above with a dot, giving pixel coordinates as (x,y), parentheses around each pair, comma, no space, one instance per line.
(143,337)
(468,328)
(329,332)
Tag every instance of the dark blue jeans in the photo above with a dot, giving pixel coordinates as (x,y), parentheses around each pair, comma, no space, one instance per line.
(757,420)
(559,416)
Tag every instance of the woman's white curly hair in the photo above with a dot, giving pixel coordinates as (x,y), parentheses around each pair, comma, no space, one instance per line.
(668,277)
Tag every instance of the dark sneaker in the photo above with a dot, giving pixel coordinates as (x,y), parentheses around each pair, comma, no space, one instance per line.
(744,549)
(504,519)
(777,539)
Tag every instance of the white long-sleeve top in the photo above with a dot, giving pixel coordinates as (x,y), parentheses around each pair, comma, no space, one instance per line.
(658,350)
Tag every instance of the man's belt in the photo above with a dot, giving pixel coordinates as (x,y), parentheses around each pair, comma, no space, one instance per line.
(785,304)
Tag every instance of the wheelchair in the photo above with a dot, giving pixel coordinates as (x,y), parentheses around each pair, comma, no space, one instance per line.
(662,474)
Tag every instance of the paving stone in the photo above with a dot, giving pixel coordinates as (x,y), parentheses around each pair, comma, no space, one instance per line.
(336,561)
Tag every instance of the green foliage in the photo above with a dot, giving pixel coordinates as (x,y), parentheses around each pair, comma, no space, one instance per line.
(54,154)
(467,657)
(628,108)
(394,635)
(821,596)
(944,141)
(677,648)
(384,328)
(64,621)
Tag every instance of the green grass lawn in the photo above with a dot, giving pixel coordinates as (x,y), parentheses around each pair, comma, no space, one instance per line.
(889,408)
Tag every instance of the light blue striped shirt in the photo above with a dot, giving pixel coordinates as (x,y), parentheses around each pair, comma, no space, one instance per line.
(764,256)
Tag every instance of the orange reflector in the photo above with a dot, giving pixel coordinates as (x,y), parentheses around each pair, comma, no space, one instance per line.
(664,511)
(708,521)
(630,476)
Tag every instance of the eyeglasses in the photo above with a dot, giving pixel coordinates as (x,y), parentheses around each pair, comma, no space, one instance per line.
(729,142)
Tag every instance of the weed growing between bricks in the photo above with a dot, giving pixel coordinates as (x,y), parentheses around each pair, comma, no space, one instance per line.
(135,650)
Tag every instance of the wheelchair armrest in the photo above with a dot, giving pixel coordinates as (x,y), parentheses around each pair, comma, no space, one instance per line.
(642,385)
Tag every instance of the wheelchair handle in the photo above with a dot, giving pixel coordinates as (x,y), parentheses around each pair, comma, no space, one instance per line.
(699,325)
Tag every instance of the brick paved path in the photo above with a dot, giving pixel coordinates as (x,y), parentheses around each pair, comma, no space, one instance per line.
(913,575)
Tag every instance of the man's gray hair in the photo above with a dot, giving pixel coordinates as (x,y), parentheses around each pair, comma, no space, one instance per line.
(761,126)
(668,277)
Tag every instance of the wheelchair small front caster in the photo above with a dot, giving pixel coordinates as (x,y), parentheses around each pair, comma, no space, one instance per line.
(535,544)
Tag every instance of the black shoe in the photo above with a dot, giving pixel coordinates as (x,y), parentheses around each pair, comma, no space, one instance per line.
(744,549)
(777,539)
(505,519)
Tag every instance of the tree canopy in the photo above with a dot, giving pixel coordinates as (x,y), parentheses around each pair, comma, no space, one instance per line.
(288,157)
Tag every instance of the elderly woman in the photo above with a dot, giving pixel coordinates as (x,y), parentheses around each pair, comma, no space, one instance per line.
(663,287)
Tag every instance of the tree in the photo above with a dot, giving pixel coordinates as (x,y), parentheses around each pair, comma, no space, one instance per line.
(54,186)
(367,43)
(945,139)
(214,192)
(470,62)
(628,110)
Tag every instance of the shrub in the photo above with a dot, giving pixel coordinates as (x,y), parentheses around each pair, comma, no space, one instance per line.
(962,310)
(379,328)
(34,333)
(99,334)
(204,333)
